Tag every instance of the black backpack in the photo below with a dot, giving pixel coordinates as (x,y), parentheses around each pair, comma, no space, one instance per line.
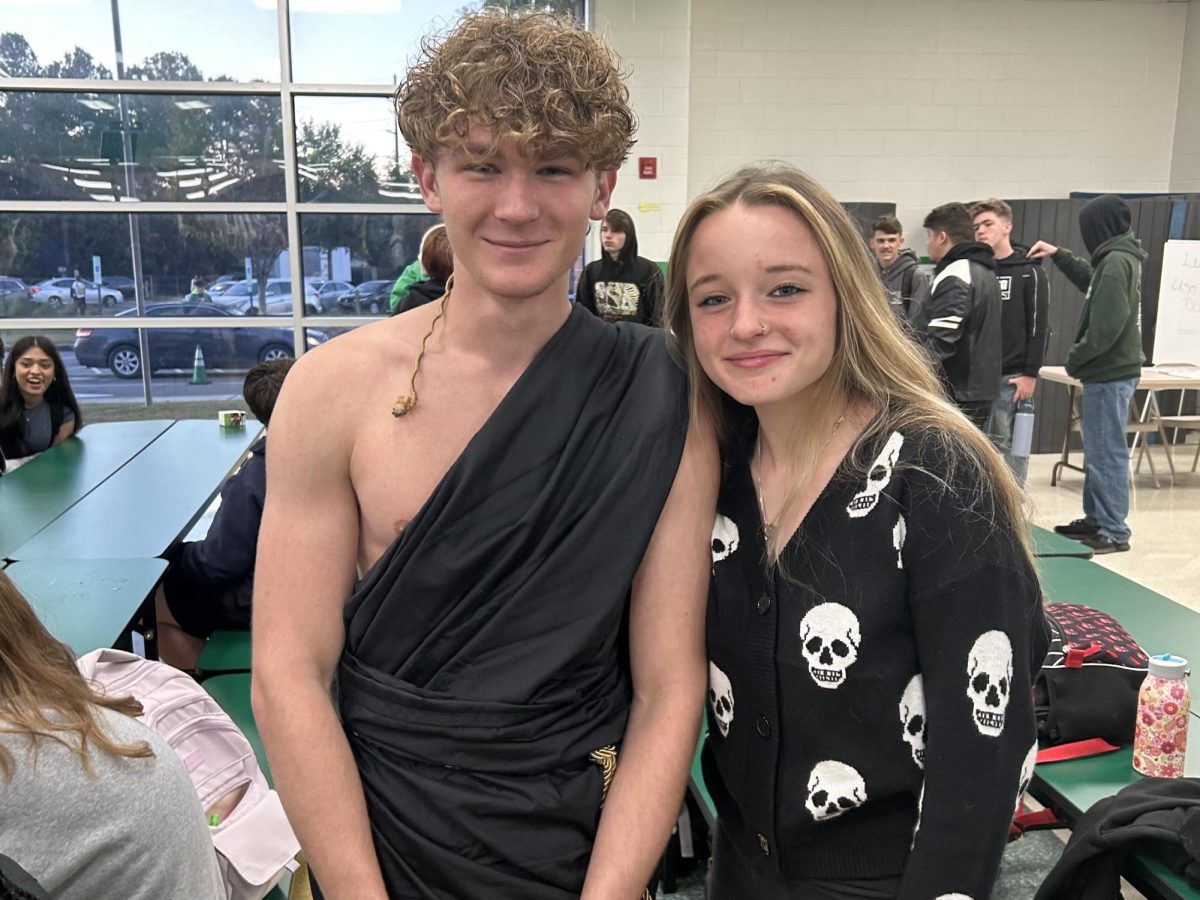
(1088,685)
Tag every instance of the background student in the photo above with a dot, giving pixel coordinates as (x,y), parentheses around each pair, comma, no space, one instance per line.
(92,803)
(37,406)
(210,582)
(1024,324)
(621,286)
(899,268)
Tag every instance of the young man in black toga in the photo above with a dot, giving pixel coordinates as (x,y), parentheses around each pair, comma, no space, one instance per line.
(490,518)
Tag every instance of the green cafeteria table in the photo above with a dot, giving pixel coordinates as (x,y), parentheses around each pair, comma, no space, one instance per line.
(1048,543)
(36,494)
(150,502)
(90,603)
(1159,625)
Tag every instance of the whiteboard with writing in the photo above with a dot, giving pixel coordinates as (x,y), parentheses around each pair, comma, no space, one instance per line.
(1177,331)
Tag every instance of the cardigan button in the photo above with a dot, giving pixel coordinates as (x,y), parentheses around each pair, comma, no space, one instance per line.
(763,605)
(763,845)
(763,726)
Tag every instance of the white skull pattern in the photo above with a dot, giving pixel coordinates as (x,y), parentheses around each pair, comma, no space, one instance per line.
(725,538)
(989,681)
(878,477)
(912,717)
(829,638)
(952,897)
(720,697)
(833,788)
(920,809)
(899,533)
(1026,774)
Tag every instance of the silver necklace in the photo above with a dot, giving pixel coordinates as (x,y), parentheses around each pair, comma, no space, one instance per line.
(769,526)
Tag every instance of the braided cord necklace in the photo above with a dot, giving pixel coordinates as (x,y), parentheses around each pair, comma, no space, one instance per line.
(405,403)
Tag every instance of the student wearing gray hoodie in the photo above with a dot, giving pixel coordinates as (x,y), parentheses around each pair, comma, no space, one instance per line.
(899,268)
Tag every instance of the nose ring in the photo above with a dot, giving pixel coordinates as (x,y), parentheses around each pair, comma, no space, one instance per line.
(762,330)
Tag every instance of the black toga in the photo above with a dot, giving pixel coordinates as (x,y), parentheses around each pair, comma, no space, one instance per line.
(485,652)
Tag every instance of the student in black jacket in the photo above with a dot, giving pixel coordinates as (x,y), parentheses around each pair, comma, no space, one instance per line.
(209,583)
(621,286)
(961,321)
(1024,323)
(874,621)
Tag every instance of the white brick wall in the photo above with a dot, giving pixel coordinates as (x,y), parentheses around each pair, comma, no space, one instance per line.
(653,37)
(918,102)
(1185,168)
(927,101)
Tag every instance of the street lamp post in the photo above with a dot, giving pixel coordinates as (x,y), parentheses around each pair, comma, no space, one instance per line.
(135,236)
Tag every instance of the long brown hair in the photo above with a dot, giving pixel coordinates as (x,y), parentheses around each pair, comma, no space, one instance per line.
(59,391)
(42,694)
(873,360)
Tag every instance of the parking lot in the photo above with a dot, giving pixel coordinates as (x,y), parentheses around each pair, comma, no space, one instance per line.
(101,386)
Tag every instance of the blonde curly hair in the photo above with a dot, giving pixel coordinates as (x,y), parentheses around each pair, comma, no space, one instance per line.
(534,78)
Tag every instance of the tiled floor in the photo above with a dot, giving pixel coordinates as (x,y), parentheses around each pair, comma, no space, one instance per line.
(1022,869)
(1165,554)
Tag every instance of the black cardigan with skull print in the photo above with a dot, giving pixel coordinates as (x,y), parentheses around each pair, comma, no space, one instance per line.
(869,709)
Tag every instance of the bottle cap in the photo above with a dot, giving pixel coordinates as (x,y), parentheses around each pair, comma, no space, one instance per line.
(1168,666)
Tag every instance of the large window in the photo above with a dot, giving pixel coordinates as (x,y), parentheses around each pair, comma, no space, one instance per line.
(349,150)
(111,147)
(183,193)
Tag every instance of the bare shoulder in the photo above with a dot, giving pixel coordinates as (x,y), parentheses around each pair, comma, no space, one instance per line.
(335,377)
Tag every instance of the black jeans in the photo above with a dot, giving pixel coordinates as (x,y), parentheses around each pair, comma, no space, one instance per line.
(978,411)
(731,878)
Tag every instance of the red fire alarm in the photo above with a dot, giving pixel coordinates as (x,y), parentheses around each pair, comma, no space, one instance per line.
(647,167)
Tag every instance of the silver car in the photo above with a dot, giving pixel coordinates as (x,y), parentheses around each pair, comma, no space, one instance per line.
(55,292)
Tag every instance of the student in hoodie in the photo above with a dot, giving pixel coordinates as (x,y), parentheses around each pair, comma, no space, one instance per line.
(1023,324)
(899,268)
(1107,358)
(961,321)
(437,260)
(621,286)
(209,583)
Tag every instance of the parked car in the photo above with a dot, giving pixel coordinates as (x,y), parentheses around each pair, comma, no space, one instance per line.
(12,290)
(328,293)
(55,292)
(175,348)
(222,284)
(121,283)
(243,298)
(369,297)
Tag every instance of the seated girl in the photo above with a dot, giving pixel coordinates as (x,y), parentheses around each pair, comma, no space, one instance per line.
(37,406)
(92,803)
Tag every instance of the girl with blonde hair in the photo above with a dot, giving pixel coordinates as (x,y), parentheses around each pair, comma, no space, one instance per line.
(92,803)
(875,620)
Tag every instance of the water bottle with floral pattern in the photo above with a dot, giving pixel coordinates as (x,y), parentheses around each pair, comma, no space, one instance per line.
(1164,704)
